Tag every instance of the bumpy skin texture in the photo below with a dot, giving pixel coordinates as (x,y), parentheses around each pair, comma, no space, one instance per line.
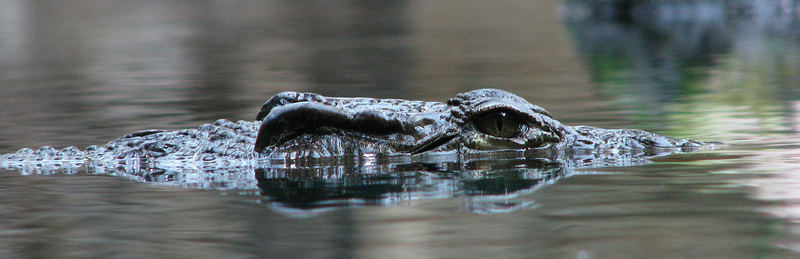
(295,125)
(311,124)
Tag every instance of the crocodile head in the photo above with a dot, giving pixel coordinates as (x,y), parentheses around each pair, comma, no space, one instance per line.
(485,119)
(303,125)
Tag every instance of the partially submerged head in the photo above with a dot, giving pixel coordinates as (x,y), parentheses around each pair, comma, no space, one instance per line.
(485,119)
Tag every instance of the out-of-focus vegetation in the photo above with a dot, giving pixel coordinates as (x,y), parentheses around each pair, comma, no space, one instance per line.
(693,61)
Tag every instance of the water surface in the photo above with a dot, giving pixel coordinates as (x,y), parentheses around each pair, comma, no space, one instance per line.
(74,74)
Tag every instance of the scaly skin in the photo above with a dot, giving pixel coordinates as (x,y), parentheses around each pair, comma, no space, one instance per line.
(296,126)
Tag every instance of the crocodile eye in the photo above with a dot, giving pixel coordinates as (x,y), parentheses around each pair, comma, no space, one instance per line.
(498,124)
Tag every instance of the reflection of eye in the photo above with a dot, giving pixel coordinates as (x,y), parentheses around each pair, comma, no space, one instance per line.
(498,124)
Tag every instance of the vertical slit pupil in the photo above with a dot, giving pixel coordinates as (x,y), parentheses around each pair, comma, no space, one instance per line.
(499,122)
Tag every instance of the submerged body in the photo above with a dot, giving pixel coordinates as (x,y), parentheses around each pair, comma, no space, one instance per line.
(295,125)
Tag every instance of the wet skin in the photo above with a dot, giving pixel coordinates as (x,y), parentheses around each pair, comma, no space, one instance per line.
(485,119)
(295,125)
(305,148)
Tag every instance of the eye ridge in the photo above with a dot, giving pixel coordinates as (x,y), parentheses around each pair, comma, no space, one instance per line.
(499,124)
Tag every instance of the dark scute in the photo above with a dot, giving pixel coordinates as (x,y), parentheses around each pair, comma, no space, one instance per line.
(309,117)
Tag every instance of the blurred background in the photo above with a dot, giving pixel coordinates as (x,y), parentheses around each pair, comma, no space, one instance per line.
(81,72)
(76,72)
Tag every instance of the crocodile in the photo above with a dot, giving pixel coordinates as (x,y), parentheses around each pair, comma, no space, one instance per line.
(297,126)
(306,153)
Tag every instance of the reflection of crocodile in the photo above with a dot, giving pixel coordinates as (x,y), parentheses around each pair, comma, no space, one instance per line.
(483,186)
(305,125)
(306,152)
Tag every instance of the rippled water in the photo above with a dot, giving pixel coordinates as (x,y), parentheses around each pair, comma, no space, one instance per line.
(74,74)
